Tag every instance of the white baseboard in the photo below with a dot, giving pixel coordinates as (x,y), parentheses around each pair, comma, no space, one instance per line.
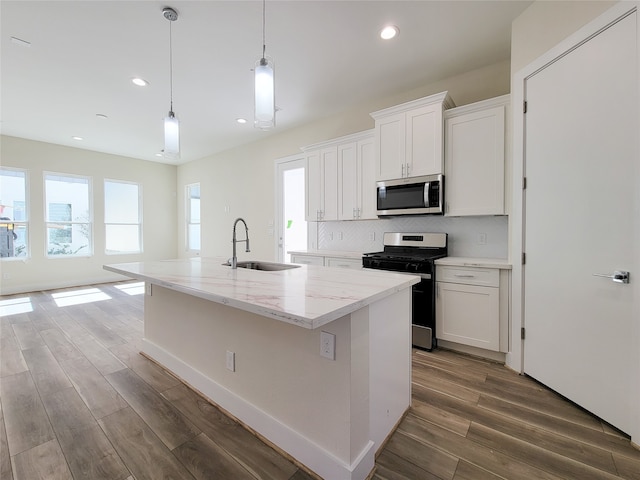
(293,443)
(6,288)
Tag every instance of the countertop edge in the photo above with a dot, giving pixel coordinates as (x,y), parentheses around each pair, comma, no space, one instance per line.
(265,312)
(499,263)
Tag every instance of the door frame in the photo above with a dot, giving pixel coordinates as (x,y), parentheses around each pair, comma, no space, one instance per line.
(278,200)
(515,358)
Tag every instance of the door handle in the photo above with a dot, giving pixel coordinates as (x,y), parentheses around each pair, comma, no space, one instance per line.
(619,276)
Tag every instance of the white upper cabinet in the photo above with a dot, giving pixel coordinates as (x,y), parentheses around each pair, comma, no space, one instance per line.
(340,179)
(356,180)
(475,155)
(329,189)
(313,185)
(321,186)
(409,138)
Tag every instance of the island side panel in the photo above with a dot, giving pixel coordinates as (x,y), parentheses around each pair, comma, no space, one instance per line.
(390,363)
(279,370)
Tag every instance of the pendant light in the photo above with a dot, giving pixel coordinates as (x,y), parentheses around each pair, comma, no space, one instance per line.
(265,102)
(171,124)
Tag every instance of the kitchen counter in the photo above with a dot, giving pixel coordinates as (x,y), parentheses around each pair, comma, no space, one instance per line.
(308,296)
(329,397)
(500,263)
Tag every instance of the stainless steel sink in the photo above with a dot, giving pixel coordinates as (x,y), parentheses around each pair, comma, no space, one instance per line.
(266,266)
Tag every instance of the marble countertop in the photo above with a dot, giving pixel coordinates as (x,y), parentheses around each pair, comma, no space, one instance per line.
(501,263)
(327,253)
(308,296)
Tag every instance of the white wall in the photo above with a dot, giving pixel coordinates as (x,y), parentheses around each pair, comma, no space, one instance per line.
(38,272)
(242,179)
(545,24)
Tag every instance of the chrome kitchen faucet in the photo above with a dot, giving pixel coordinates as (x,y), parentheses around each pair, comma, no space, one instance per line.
(234,258)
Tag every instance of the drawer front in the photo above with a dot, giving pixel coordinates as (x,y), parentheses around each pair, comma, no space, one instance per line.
(307,260)
(343,262)
(488,277)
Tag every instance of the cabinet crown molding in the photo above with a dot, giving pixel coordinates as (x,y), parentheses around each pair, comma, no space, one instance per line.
(443,98)
(353,137)
(500,101)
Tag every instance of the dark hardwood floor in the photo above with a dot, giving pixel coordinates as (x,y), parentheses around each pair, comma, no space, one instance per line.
(78,401)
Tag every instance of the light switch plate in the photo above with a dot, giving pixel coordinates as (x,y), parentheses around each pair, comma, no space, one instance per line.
(231,361)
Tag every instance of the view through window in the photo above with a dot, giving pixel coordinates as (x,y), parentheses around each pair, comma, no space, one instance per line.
(13,213)
(68,215)
(193,217)
(122,217)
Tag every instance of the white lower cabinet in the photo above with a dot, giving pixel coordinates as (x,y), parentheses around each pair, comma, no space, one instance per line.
(307,259)
(327,261)
(472,306)
(337,262)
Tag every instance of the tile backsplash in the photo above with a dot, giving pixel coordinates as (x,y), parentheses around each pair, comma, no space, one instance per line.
(483,237)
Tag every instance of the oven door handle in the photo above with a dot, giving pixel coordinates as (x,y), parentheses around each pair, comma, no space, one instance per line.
(425,276)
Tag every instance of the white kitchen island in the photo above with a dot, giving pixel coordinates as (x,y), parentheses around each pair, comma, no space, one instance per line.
(329,415)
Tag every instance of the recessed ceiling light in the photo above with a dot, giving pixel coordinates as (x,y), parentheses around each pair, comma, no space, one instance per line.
(241,120)
(77,138)
(159,154)
(388,32)
(101,116)
(141,82)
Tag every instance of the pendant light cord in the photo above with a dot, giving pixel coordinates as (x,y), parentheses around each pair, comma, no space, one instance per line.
(264,43)
(170,66)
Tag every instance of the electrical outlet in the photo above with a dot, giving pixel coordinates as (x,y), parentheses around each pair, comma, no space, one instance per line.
(330,235)
(328,345)
(339,235)
(6,275)
(227,209)
(372,236)
(231,361)
(482,239)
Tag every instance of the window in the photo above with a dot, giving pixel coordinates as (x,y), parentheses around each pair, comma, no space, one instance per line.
(13,213)
(67,215)
(193,217)
(122,217)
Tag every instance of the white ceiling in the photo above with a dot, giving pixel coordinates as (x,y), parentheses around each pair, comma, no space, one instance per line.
(328,57)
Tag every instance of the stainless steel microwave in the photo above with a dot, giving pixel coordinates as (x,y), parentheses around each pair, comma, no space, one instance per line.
(411,196)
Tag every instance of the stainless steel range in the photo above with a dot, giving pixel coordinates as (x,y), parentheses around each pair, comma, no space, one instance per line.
(414,253)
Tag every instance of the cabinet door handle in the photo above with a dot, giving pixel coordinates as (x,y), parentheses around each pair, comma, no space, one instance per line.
(464,275)
(408,169)
(403,170)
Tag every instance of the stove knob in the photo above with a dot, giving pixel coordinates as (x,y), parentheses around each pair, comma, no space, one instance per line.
(413,267)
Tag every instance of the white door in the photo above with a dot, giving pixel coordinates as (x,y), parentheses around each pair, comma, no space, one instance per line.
(581,218)
(290,209)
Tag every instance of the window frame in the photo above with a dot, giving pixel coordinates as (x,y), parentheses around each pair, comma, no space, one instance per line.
(27,213)
(188,222)
(89,222)
(140,219)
